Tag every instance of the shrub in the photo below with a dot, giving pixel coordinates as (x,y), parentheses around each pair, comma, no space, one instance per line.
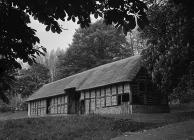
(5,108)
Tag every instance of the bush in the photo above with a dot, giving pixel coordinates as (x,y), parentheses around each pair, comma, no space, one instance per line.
(5,108)
(23,106)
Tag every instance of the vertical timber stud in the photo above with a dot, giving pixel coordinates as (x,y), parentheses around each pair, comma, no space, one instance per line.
(117,94)
(145,92)
(105,96)
(35,107)
(100,97)
(36,103)
(84,102)
(29,109)
(30,113)
(89,101)
(40,106)
(57,104)
(110,95)
(130,99)
(122,104)
(95,99)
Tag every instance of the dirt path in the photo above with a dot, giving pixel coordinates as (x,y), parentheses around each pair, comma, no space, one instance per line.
(177,131)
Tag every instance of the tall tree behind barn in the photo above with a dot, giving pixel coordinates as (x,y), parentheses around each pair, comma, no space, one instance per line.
(91,47)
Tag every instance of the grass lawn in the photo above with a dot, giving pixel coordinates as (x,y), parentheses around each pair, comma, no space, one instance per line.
(13,115)
(15,126)
(92,127)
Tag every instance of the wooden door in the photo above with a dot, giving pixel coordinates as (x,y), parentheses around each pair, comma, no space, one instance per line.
(82,107)
(48,106)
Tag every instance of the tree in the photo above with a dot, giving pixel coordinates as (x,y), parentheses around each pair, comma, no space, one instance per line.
(29,80)
(48,12)
(137,44)
(17,40)
(92,47)
(6,81)
(170,40)
(50,60)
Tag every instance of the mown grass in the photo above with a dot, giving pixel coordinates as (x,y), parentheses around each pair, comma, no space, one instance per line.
(93,127)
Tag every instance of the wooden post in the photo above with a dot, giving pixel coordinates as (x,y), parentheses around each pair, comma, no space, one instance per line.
(90,101)
(130,100)
(95,98)
(29,109)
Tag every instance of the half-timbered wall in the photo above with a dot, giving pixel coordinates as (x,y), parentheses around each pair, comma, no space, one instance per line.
(105,97)
(58,105)
(37,107)
(54,105)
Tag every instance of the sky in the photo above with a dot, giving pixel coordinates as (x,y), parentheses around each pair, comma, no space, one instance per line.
(52,40)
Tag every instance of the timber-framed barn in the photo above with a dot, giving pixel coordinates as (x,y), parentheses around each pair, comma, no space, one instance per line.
(120,87)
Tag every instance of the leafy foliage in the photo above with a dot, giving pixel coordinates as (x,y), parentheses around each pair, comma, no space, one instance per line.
(29,80)
(17,40)
(119,11)
(184,91)
(135,41)
(7,78)
(170,39)
(91,47)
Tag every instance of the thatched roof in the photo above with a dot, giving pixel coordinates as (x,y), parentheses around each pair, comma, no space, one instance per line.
(119,71)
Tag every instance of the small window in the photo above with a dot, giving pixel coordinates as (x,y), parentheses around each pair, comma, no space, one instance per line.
(122,98)
(108,100)
(119,100)
(114,100)
(98,103)
(125,97)
(102,100)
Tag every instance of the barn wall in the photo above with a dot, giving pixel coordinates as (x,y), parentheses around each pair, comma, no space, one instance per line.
(59,105)
(54,105)
(37,107)
(144,92)
(119,109)
(109,110)
(107,99)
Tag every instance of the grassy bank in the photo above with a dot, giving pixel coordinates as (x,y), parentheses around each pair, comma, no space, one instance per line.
(92,127)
